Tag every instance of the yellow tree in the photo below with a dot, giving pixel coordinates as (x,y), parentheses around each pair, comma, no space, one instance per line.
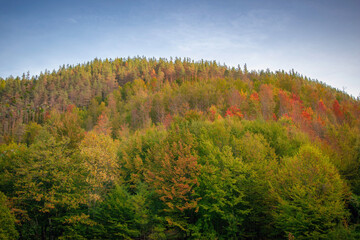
(99,159)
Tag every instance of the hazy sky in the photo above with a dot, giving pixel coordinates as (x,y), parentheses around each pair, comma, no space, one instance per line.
(319,39)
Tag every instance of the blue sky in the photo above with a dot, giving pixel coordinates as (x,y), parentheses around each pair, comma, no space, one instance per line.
(319,39)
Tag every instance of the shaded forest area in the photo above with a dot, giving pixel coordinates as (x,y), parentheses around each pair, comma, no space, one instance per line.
(143,148)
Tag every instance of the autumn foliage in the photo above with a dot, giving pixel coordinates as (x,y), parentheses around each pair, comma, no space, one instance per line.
(139,148)
(233,111)
(337,110)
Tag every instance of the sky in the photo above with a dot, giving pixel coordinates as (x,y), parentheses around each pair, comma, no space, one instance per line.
(319,39)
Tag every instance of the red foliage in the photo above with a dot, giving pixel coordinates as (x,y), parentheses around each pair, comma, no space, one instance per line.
(274,117)
(233,111)
(337,110)
(321,106)
(254,96)
(296,98)
(307,114)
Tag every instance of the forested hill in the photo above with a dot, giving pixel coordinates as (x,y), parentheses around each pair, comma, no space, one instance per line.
(172,149)
(166,87)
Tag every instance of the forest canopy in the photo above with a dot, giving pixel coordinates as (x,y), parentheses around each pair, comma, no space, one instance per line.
(145,148)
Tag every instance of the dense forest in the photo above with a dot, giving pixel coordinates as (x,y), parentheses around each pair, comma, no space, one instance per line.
(138,148)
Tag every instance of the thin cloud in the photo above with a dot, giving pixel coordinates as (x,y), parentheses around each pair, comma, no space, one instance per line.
(72,20)
(193,33)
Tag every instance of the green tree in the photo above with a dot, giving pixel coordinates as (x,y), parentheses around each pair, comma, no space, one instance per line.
(32,129)
(12,157)
(310,196)
(221,190)
(48,184)
(123,215)
(7,220)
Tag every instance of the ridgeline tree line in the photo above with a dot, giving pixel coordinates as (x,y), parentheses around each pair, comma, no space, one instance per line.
(143,148)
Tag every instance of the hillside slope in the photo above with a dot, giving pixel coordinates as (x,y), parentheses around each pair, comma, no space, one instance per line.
(173,149)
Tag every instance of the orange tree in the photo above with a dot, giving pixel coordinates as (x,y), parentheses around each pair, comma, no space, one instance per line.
(173,175)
